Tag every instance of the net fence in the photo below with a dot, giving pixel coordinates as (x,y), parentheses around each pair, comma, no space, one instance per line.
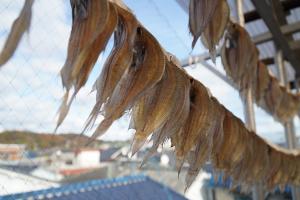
(31,89)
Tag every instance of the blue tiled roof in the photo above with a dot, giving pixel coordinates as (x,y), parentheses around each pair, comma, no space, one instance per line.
(130,187)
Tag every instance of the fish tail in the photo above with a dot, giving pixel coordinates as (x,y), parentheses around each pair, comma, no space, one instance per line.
(101,129)
(136,145)
(64,109)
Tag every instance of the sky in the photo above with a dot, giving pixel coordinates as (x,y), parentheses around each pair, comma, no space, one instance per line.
(30,84)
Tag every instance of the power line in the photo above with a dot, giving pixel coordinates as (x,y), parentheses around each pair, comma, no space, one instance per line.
(168,23)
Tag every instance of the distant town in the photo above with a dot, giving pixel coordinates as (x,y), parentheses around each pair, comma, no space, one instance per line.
(40,161)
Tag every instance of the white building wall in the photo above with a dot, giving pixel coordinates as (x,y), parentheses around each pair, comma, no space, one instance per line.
(88,158)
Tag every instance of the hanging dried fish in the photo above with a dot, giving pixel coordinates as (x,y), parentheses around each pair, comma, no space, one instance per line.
(240,170)
(156,106)
(89,19)
(275,163)
(260,160)
(140,110)
(216,28)
(217,138)
(222,158)
(288,106)
(93,24)
(262,81)
(201,13)
(166,103)
(239,57)
(118,61)
(199,112)
(20,25)
(144,73)
(180,111)
(273,95)
(209,127)
(240,60)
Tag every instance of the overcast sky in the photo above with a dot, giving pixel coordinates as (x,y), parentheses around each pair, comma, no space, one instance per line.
(30,85)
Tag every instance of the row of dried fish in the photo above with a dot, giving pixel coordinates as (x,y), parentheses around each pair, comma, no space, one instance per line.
(209,19)
(164,102)
(240,59)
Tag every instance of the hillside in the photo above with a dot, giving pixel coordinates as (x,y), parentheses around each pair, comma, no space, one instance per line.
(36,141)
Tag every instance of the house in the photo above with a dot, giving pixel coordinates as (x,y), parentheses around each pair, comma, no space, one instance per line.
(130,187)
(11,152)
(86,157)
(62,164)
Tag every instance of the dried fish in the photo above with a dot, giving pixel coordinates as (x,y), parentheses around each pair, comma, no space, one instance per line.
(201,13)
(87,58)
(179,114)
(288,106)
(144,73)
(240,60)
(169,104)
(140,110)
(209,127)
(274,167)
(262,81)
(239,57)
(85,28)
(216,28)
(199,112)
(230,139)
(217,136)
(237,171)
(93,24)
(20,25)
(156,106)
(180,104)
(118,61)
(273,95)
(260,160)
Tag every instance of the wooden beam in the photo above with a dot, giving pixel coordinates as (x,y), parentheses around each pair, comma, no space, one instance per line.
(266,13)
(295,45)
(268,61)
(278,11)
(285,29)
(259,39)
(287,5)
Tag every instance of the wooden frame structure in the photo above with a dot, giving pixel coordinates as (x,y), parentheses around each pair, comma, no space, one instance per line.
(280,32)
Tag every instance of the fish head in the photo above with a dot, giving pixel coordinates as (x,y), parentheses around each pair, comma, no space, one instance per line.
(139,49)
(232,35)
(79,9)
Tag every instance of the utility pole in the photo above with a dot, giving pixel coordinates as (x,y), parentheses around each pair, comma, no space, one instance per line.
(289,128)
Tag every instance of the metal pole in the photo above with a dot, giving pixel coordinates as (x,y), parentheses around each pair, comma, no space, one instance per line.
(289,128)
(192,61)
(257,190)
(240,12)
